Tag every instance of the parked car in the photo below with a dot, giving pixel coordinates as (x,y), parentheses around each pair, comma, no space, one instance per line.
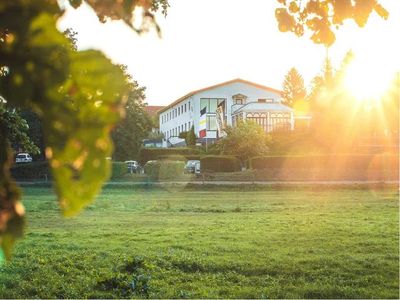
(197,168)
(190,166)
(133,166)
(23,158)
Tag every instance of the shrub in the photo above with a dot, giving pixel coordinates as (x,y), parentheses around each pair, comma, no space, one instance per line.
(172,157)
(147,154)
(220,163)
(164,169)
(38,170)
(119,169)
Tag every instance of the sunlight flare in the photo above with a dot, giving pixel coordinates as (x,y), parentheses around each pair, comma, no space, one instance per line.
(367,79)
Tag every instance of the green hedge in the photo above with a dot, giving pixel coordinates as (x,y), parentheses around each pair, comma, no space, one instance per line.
(323,161)
(146,154)
(38,170)
(327,167)
(220,163)
(164,169)
(119,169)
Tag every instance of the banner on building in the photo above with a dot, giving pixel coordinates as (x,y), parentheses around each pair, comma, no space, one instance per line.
(220,118)
(203,123)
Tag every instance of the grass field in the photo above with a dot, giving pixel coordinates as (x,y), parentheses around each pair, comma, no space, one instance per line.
(286,243)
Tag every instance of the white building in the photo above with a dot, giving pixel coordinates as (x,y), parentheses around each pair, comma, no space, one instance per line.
(244,100)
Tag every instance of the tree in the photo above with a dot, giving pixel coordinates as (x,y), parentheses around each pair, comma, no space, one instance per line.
(16,128)
(130,132)
(35,132)
(320,17)
(79,96)
(246,140)
(191,137)
(293,88)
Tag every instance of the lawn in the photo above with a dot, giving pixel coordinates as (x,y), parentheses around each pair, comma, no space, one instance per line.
(215,243)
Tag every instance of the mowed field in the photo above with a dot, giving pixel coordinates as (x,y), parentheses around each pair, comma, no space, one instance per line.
(216,243)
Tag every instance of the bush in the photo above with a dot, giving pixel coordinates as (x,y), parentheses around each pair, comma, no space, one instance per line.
(118,170)
(38,170)
(164,169)
(220,163)
(147,154)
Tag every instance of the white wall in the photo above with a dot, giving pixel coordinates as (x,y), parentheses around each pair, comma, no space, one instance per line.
(192,115)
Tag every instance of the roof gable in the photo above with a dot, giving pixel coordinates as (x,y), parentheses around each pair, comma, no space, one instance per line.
(269,89)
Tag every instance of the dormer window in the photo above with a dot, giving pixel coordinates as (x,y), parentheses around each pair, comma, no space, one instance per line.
(262,100)
(239,99)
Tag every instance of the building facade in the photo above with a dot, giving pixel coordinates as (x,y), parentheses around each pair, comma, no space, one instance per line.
(240,99)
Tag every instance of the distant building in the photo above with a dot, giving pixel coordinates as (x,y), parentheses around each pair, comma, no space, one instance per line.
(238,99)
(152,111)
(153,141)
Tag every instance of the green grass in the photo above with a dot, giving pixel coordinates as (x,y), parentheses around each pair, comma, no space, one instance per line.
(218,243)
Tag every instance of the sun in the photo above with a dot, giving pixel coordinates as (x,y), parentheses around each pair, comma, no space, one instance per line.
(366,79)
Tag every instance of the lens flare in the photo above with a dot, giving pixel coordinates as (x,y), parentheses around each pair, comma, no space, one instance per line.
(366,80)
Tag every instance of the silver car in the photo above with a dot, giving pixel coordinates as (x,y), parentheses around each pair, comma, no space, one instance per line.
(23,158)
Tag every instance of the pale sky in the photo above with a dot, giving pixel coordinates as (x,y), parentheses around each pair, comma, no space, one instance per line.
(205,42)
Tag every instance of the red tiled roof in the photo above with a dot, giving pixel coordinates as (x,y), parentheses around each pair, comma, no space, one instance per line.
(152,110)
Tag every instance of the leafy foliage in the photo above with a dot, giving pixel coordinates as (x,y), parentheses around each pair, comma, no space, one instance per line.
(130,132)
(79,96)
(245,140)
(293,88)
(16,129)
(322,16)
(123,10)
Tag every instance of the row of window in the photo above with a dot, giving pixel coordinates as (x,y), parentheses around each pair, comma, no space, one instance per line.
(276,124)
(177,130)
(175,112)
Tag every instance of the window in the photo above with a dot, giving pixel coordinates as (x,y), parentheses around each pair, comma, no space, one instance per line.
(239,101)
(185,107)
(211,104)
(262,100)
(211,123)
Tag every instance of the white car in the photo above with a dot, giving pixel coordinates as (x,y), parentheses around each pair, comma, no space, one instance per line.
(133,166)
(23,158)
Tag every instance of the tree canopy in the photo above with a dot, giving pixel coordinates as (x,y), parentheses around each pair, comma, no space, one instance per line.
(321,17)
(245,140)
(128,135)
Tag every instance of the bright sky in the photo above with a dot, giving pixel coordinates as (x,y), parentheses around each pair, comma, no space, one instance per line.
(205,42)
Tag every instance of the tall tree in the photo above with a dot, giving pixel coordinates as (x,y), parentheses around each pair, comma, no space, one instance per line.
(130,132)
(190,137)
(293,88)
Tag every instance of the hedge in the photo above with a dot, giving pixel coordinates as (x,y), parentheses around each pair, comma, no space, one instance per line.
(118,170)
(38,170)
(164,169)
(327,167)
(146,154)
(220,163)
